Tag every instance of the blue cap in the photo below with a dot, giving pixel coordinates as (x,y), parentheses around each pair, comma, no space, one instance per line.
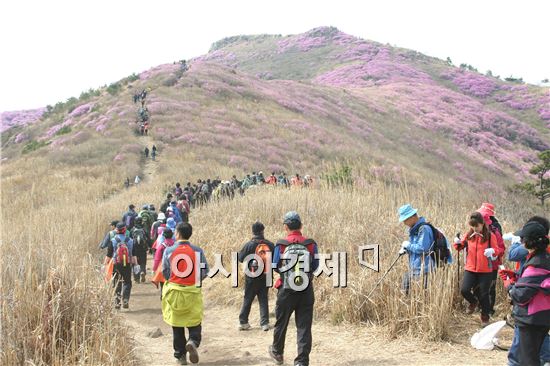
(292,216)
(406,211)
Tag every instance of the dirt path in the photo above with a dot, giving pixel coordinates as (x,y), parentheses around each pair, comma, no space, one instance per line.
(223,344)
(149,167)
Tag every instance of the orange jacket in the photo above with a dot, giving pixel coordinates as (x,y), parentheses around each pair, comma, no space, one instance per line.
(476,261)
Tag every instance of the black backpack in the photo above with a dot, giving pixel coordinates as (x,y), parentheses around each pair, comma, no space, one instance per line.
(439,251)
(139,238)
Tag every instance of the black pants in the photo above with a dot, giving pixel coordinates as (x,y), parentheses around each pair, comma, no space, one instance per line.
(142,261)
(483,281)
(180,341)
(255,287)
(531,338)
(301,304)
(492,291)
(122,281)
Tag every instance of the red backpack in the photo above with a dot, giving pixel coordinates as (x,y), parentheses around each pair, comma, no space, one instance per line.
(122,253)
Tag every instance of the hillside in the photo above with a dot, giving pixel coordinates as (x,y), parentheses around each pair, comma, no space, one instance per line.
(294,102)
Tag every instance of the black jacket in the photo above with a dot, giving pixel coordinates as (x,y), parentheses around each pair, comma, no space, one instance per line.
(250,247)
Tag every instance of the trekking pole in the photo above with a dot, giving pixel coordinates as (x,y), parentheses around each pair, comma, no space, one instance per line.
(381,279)
(458,267)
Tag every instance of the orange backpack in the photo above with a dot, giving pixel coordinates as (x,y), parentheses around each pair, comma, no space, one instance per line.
(263,251)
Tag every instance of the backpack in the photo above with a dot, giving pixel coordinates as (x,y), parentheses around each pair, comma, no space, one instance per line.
(439,252)
(264,251)
(147,218)
(139,238)
(129,221)
(122,252)
(495,225)
(293,274)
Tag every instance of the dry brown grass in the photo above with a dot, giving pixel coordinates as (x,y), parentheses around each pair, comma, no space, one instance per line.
(56,309)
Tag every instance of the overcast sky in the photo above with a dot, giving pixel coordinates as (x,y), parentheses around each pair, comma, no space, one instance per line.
(52,50)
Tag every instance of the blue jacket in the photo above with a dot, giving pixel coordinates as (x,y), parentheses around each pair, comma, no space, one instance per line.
(421,239)
(122,238)
(177,214)
(518,253)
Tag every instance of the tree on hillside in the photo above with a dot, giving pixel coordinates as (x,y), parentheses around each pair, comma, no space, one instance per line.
(449,61)
(541,187)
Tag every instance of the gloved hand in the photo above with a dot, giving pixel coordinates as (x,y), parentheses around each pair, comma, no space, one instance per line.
(404,247)
(489,253)
(457,240)
(511,237)
(508,283)
(507,274)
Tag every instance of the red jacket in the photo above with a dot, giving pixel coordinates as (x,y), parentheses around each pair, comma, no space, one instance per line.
(476,261)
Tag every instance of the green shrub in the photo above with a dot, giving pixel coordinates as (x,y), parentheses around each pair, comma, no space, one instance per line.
(33,145)
(339,177)
(64,130)
(114,88)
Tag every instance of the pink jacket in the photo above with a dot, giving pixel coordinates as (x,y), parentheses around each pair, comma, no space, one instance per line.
(160,251)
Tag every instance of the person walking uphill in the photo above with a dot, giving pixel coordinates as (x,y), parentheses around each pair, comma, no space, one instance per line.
(295,289)
(257,286)
(481,246)
(184,266)
(418,246)
(121,251)
(530,293)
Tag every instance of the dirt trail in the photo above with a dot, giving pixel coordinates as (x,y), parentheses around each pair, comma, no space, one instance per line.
(150,167)
(223,344)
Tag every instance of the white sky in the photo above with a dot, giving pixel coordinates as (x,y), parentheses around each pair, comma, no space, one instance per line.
(52,50)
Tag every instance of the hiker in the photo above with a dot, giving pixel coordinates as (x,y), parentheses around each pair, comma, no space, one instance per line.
(418,246)
(146,152)
(518,253)
(272,179)
(184,208)
(129,217)
(182,305)
(109,236)
(530,293)
(177,190)
(289,297)
(296,181)
(487,210)
(137,180)
(260,179)
(166,202)
(176,211)
(154,155)
(482,249)
(257,286)
(148,218)
(121,251)
(142,128)
(160,222)
(168,241)
(146,128)
(140,238)
(154,149)
(127,183)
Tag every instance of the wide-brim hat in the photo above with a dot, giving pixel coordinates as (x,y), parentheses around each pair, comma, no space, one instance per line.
(406,211)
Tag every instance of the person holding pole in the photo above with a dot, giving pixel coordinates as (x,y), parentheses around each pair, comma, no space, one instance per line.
(418,247)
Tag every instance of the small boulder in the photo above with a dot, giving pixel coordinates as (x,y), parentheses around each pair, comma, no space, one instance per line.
(155,333)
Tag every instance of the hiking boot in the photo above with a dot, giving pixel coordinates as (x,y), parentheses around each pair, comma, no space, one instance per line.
(117,306)
(484,319)
(182,360)
(244,326)
(275,356)
(471,308)
(266,327)
(125,305)
(142,277)
(193,353)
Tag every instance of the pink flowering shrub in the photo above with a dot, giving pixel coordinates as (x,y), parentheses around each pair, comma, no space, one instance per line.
(81,109)
(20,118)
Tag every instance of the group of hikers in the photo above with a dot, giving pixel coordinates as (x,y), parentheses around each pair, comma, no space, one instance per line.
(143,112)
(179,266)
(528,284)
(153,152)
(204,190)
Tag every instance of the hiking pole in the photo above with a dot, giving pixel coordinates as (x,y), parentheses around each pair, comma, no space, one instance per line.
(384,276)
(458,267)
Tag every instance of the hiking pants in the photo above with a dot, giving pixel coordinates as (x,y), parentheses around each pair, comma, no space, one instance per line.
(122,281)
(301,304)
(142,261)
(531,339)
(255,287)
(492,291)
(483,280)
(513,354)
(180,341)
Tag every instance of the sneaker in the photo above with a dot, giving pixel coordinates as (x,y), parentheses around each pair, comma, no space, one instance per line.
(484,319)
(275,356)
(266,327)
(471,308)
(125,305)
(244,326)
(193,353)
